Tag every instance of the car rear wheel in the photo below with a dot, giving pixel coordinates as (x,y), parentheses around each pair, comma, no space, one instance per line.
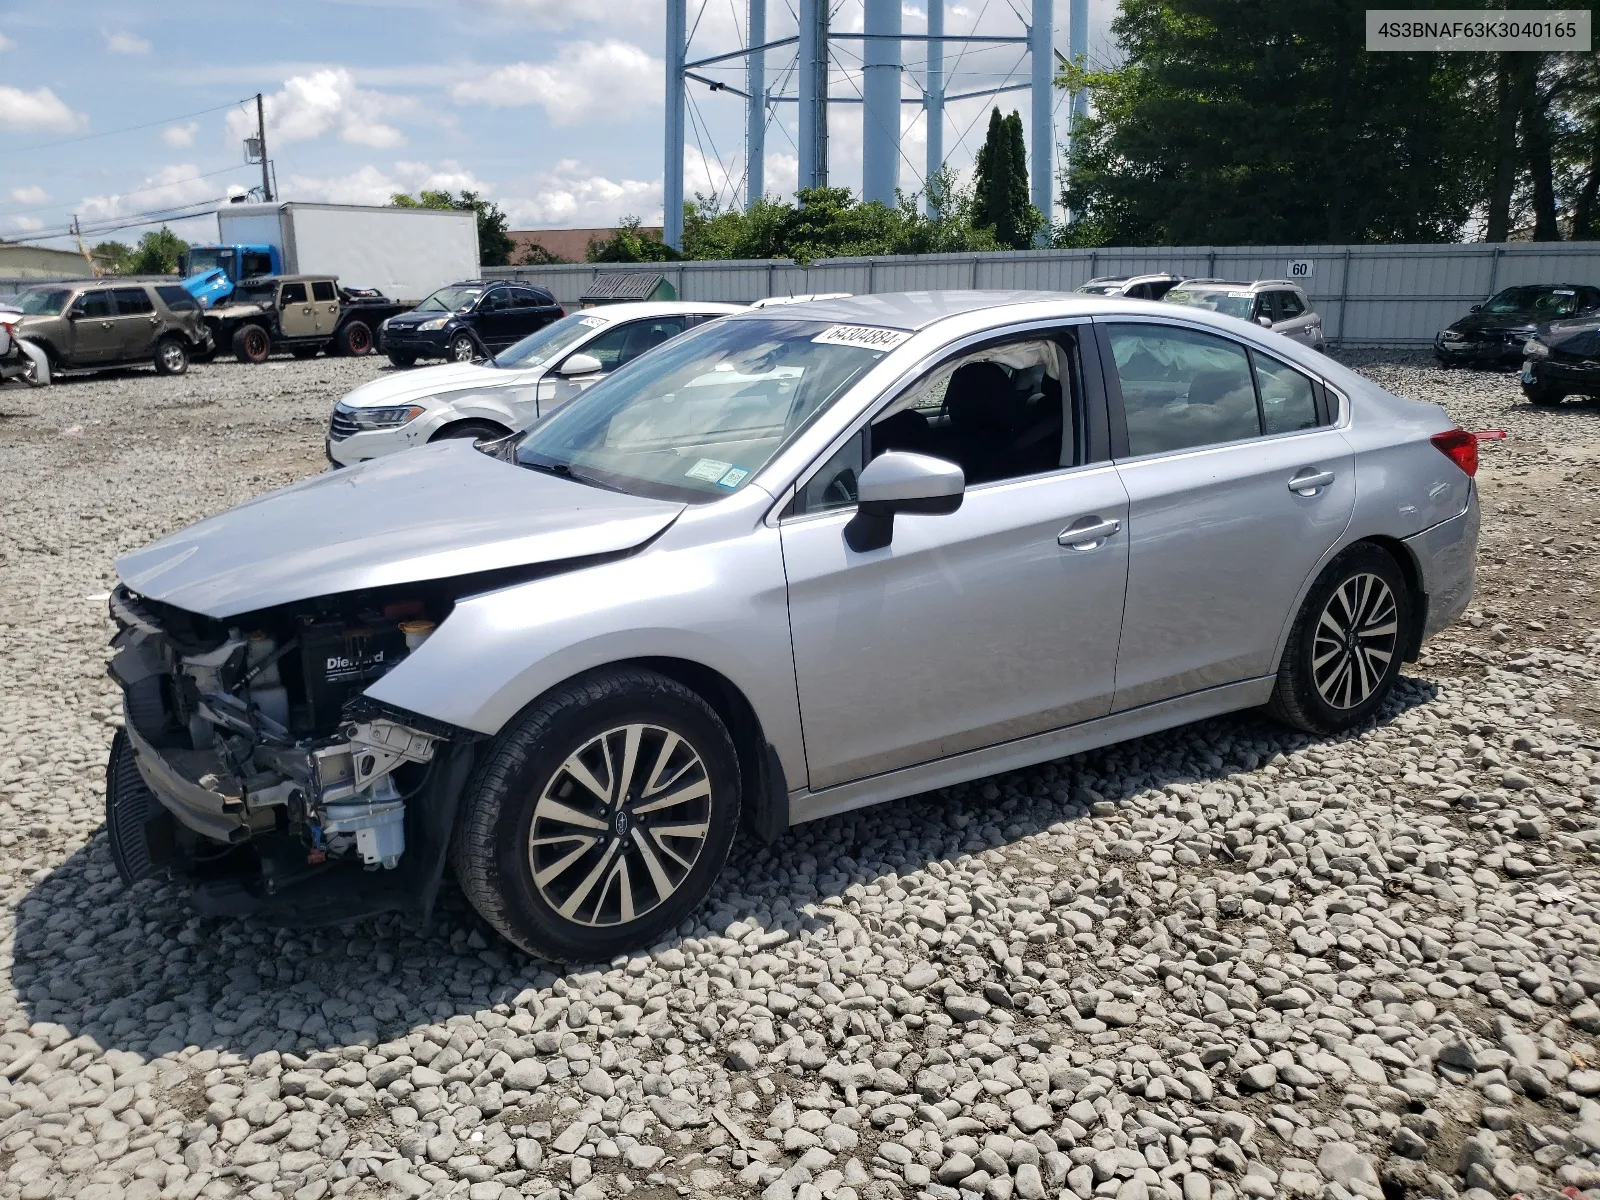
(355,338)
(1345,649)
(463,348)
(251,344)
(172,356)
(402,360)
(600,818)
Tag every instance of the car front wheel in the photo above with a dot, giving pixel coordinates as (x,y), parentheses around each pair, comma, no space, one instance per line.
(1344,651)
(463,348)
(600,818)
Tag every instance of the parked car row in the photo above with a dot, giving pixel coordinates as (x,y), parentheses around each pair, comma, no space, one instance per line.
(1280,305)
(1553,329)
(789,562)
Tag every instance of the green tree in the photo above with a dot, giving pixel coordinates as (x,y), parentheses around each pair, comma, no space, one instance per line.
(537,256)
(1001,184)
(157,253)
(494,239)
(117,257)
(1258,122)
(629,243)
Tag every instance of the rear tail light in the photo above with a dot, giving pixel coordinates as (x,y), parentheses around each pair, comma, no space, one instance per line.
(1461,447)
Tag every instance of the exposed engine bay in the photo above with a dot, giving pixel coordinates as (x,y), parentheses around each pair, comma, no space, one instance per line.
(255,737)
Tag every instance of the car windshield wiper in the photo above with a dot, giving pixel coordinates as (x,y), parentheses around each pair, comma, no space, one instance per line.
(565,471)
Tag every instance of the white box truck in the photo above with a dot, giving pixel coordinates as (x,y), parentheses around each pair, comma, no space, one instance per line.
(405,253)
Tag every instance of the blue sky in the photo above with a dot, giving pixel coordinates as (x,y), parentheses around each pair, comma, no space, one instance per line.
(553,108)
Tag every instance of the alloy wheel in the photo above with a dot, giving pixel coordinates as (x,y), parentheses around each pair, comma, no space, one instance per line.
(463,350)
(1355,640)
(620,825)
(172,356)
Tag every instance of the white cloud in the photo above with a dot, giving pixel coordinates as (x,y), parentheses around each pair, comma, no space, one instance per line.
(573,196)
(26,224)
(31,194)
(323,102)
(605,81)
(5,42)
(123,42)
(42,109)
(172,186)
(179,136)
(564,14)
(372,185)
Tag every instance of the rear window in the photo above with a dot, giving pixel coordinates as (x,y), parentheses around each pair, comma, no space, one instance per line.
(322,289)
(175,298)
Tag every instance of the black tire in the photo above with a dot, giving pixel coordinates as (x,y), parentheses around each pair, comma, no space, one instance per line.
(1323,689)
(354,338)
(251,344)
(137,826)
(478,431)
(402,360)
(304,352)
(463,348)
(172,356)
(1543,394)
(587,720)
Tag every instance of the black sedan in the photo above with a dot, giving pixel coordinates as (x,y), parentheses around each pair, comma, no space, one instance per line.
(1563,359)
(1494,331)
(470,320)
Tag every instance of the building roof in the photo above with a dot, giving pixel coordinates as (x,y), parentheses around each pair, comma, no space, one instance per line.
(623,285)
(569,245)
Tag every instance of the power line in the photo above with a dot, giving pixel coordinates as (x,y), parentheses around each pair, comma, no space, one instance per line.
(87,137)
(176,212)
(155,187)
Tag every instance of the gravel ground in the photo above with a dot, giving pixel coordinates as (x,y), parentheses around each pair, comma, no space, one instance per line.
(1223,962)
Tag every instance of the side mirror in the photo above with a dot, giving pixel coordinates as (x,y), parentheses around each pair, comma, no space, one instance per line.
(900,482)
(1264,322)
(74,313)
(580,364)
(1476,308)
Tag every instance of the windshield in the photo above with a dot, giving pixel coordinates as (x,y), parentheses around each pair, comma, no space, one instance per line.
(261,293)
(450,299)
(43,302)
(1546,301)
(1230,303)
(1100,289)
(695,419)
(206,258)
(554,339)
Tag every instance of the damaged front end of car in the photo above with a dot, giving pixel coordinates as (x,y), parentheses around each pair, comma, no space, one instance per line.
(251,763)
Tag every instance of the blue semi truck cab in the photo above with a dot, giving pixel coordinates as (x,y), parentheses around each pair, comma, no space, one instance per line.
(211,272)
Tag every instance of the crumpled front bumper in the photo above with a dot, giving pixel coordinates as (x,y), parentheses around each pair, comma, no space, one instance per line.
(177,781)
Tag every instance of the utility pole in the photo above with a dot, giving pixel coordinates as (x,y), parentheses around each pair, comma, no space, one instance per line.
(261,137)
(672,177)
(934,100)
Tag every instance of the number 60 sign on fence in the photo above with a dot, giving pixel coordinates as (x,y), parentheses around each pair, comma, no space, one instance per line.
(1300,268)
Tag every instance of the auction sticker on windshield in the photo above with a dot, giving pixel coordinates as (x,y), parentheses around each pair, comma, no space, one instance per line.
(733,478)
(709,469)
(593,322)
(865,336)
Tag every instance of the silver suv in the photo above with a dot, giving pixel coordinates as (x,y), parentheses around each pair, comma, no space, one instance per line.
(791,563)
(1134,287)
(1276,304)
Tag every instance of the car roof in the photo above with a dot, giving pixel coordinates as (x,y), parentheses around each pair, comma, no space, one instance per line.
(1219,284)
(634,309)
(907,310)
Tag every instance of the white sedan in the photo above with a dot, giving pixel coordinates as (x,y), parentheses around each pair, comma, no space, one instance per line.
(508,392)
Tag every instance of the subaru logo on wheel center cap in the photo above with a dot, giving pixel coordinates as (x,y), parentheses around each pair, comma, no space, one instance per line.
(619,824)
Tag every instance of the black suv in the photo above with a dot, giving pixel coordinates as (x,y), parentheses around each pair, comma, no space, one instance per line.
(474,319)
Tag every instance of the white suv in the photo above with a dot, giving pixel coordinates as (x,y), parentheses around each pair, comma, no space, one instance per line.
(1275,304)
(508,392)
(1134,287)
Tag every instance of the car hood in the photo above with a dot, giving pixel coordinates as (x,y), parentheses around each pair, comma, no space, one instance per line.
(404,387)
(436,512)
(1479,322)
(417,316)
(1579,338)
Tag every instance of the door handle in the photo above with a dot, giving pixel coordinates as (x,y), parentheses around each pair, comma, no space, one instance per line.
(1308,481)
(1088,534)
(105,324)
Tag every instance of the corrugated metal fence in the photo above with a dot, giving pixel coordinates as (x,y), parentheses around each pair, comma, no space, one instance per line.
(1367,295)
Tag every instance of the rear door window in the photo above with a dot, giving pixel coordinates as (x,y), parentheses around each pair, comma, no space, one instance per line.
(1288,398)
(1182,388)
(322,289)
(132,302)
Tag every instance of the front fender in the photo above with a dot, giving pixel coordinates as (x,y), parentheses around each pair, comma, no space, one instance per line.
(719,604)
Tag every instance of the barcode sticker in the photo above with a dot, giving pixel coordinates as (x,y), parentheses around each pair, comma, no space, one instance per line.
(866,337)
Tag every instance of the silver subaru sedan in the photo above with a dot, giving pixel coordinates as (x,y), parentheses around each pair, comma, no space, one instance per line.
(799,561)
